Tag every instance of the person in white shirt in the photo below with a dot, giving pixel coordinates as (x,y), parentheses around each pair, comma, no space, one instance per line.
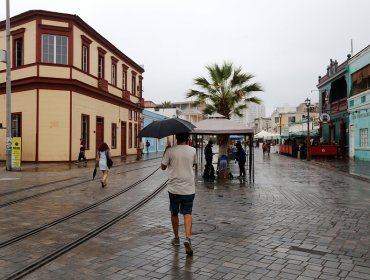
(180,160)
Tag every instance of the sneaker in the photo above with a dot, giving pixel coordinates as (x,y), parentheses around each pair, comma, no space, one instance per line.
(175,242)
(188,248)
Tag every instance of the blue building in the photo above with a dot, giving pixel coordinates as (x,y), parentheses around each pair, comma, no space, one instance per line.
(359,105)
(333,95)
(156,145)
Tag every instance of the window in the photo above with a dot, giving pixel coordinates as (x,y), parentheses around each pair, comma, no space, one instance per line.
(19,52)
(54,49)
(140,93)
(130,114)
(101,67)
(85,130)
(135,136)
(16,125)
(18,47)
(130,135)
(277,119)
(114,74)
(101,63)
(133,86)
(124,77)
(85,55)
(114,136)
(364,137)
(291,119)
(135,116)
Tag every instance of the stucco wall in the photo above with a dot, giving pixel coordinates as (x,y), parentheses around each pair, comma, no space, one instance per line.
(54,125)
(29,42)
(24,102)
(111,114)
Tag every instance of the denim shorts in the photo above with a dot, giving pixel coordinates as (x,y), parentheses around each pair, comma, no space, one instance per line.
(181,203)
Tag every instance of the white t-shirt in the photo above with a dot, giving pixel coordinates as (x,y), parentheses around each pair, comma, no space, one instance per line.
(180,160)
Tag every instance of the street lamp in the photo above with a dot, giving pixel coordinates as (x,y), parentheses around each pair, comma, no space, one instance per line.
(280,116)
(308,104)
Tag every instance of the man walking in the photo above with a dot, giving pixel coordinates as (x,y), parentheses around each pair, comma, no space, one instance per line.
(180,160)
(147,144)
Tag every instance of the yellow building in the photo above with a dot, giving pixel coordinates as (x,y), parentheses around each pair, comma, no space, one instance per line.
(68,82)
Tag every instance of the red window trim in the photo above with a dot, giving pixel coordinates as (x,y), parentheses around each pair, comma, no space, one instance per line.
(85,43)
(101,53)
(88,57)
(124,77)
(55,30)
(133,82)
(17,34)
(140,86)
(114,63)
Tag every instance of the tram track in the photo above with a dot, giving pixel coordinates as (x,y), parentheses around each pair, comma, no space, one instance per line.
(60,188)
(27,269)
(68,179)
(69,216)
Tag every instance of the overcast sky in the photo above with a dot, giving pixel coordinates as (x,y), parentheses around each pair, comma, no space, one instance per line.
(286,44)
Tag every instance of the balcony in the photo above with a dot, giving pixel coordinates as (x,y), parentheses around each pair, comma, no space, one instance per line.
(338,106)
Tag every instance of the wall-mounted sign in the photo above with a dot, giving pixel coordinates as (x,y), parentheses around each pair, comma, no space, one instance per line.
(16,152)
(324,118)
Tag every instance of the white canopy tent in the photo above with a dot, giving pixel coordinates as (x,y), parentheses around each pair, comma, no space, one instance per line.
(223,126)
(263,134)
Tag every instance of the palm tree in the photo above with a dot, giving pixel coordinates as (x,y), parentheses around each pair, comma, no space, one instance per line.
(166,104)
(227,91)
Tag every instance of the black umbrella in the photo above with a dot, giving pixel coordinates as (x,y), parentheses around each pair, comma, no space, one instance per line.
(94,173)
(163,128)
(95,169)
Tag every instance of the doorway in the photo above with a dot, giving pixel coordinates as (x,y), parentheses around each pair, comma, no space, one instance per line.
(123,139)
(99,132)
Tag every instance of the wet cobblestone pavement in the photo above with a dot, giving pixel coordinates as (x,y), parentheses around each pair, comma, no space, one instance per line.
(300,220)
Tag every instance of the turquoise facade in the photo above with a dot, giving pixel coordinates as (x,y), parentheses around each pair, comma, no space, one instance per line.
(359,107)
(156,145)
(333,94)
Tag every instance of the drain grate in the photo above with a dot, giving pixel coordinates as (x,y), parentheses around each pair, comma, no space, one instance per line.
(315,252)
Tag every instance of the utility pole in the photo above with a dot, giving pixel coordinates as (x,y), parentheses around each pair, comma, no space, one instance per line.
(8,94)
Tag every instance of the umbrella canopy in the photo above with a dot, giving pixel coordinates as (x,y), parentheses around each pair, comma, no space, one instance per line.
(163,128)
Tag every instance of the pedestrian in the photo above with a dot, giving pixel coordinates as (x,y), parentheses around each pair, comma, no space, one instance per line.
(180,160)
(81,154)
(208,153)
(141,148)
(147,144)
(102,156)
(222,167)
(264,148)
(241,157)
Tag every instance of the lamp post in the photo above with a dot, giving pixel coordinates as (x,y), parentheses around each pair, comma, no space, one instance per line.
(308,104)
(8,93)
(280,116)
